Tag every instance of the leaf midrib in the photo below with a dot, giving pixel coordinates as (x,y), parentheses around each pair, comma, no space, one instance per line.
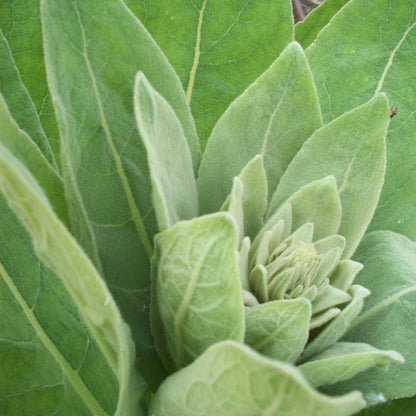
(72,376)
(135,213)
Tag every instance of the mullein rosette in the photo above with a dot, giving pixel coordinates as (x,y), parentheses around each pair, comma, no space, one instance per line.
(250,300)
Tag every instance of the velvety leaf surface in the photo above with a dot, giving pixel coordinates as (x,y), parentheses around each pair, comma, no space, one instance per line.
(388,317)
(278,329)
(352,148)
(102,344)
(196,289)
(230,379)
(273,118)
(23,148)
(217,48)
(343,360)
(106,176)
(19,102)
(21,26)
(307,30)
(174,187)
(368,48)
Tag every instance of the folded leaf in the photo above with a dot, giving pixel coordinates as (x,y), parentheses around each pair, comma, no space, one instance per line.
(230,379)
(18,142)
(96,307)
(343,360)
(106,176)
(352,148)
(278,329)
(273,118)
(174,187)
(217,48)
(388,317)
(375,54)
(19,102)
(196,289)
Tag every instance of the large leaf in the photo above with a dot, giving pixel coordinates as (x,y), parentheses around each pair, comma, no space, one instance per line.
(93,51)
(352,148)
(273,118)
(388,318)
(23,148)
(375,54)
(21,26)
(174,187)
(307,30)
(217,48)
(65,361)
(343,360)
(231,379)
(196,290)
(19,101)
(278,329)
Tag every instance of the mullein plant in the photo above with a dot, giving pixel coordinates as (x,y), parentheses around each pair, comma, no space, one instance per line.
(141,277)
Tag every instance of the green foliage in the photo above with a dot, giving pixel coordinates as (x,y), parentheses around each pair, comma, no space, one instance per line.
(138,276)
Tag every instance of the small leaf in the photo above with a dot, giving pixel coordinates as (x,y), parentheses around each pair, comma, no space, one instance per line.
(317,202)
(344,360)
(231,379)
(197,298)
(170,164)
(273,118)
(278,329)
(352,148)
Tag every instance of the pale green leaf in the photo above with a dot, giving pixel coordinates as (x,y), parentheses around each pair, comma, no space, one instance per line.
(317,202)
(196,299)
(21,26)
(367,48)
(273,118)
(230,379)
(388,317)
(19,102)
(217,48)
(307,30)
(278,329)
(57,248)
(343,360)
(93,51)
(234,205)
(352,148)
(174,187)
(339,325)
(23,148)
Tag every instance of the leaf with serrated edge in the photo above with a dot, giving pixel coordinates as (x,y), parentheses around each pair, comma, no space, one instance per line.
(170,164)
(387,320)
(197,298)
(344,360)
(231,379)
(278,329)
(352,148)
(376,54)
(59,250)
(217,48)
(261,121)
(91,78)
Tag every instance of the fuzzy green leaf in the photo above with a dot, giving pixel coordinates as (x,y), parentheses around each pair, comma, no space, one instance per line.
(273,118)
(343,360)
(367,48)
(352,148)
(174,187)
(388,317)
(278,329)
(217,48)
(196,289)
(230,379)
(57,248)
